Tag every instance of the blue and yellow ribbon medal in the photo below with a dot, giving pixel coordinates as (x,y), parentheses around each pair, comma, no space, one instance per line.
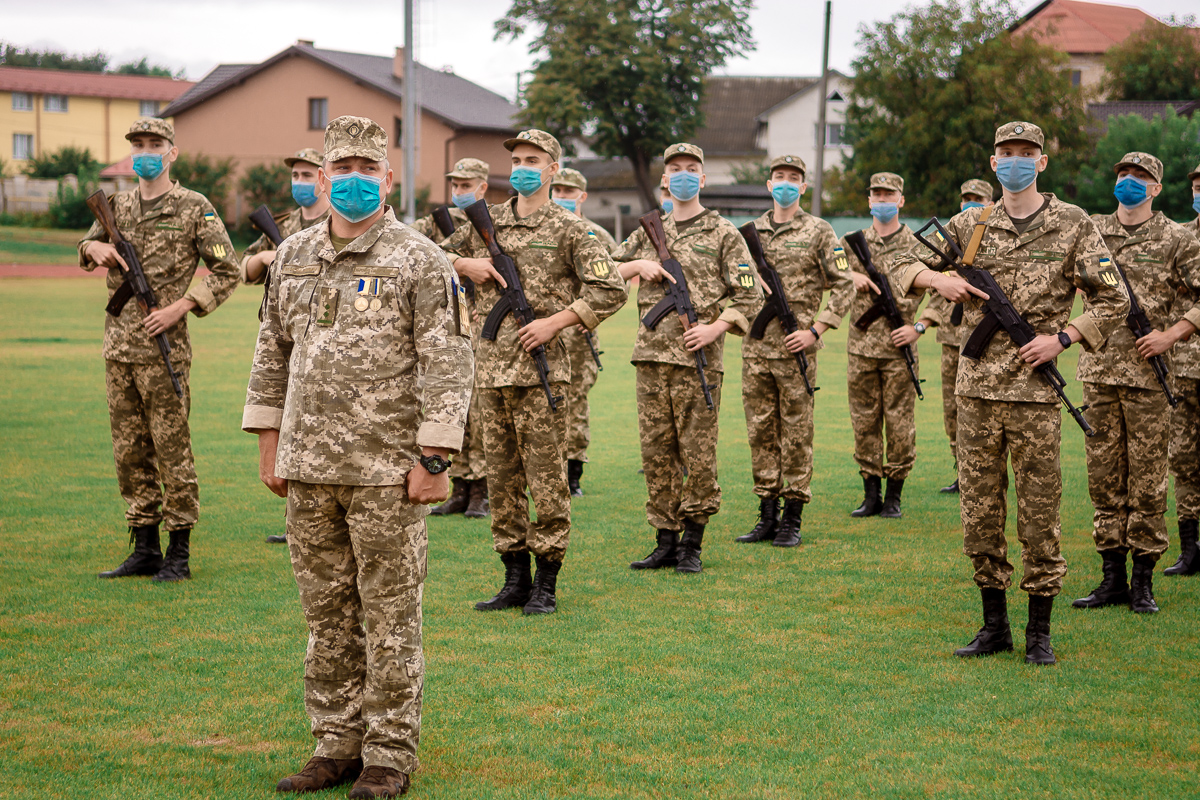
(368,295)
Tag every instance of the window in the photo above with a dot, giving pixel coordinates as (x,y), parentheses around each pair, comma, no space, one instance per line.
(318,113)
(1076,77)
(22,146)
(836,97)
(148,108)
(22,101)
(55,102)
(835,135)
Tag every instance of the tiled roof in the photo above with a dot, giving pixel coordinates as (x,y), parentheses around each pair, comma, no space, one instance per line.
(611,173)
(121,169)
(731,106)
(1101,112)
(1072,26)
(90,84)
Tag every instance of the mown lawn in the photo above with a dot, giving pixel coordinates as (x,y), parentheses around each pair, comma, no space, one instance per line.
(38,245)
(823,671)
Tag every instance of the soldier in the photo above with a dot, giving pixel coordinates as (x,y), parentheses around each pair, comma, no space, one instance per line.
(569,190)
(468,185)
(881,393)
(1040,250)
(569,279)
(1127,458)
(1185,430)
(779,411)
(678,431)
(312,209)
(171,228)
(975,193)
(357,443)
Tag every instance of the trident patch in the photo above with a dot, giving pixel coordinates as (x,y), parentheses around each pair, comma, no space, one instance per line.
(1107,273)
(839,258)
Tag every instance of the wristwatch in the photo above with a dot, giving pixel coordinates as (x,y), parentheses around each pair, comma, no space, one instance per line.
(434,464)
(1065,340)
(920,327)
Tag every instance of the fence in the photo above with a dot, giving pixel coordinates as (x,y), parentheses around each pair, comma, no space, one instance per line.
(26,194)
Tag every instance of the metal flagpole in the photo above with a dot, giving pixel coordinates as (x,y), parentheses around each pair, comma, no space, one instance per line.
(819,168)
(408,131)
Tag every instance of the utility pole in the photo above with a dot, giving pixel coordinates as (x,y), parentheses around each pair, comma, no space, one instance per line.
(408,130)
(819,167)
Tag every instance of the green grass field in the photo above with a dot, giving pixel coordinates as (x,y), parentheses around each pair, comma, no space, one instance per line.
(38,245)
(823,671)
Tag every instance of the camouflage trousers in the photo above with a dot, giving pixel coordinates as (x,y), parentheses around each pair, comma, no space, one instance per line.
(359,556)
(470,463)
(779,421)
(152,444)
(949,398)
(881,398)
(1185,447)
(989,432)
(583,377)
(1127,467)
(677,432)
(524,441)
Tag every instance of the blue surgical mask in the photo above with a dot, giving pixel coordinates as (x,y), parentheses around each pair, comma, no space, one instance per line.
(684,185)
(668,205)
(148,165)
(304,193)
(526,180)
(884,212)
(355,196)
(970,204)
(1196,203)
(785,193)
(569,205)
(463,200)
(1131,192)
(1016,173)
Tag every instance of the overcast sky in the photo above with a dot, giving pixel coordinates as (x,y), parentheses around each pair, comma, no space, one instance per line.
(456,33)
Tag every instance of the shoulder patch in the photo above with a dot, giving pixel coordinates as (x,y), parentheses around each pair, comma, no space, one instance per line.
(1107,274)
(745,277)
(209,216)
(600,268)
(219,250)
(839,258)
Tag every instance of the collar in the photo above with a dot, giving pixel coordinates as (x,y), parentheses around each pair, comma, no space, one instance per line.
(167,208)
(364,242)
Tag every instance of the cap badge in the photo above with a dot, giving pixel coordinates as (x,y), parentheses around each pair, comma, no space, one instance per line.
(788,160)
(1137,159)
(523,135)
(681,148)
(354,130)
(1018,129)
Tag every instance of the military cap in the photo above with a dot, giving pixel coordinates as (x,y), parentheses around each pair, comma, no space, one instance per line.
(887,180)
(355,136)
(539,139)
(309,155)
(1194,173)
(1143,160)
(1020,132)
(154,125)
(979,187)
(796,162)
(468,168)
(570,177)
(683,149)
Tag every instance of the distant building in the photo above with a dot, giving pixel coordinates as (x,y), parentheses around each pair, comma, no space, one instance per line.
(44,110)
(1100,113)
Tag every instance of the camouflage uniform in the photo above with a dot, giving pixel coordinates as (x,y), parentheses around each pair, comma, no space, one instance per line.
(940,311)
(1185,418)
(779,411)
(356,388)
(152,443)
(428,228)
(289,223)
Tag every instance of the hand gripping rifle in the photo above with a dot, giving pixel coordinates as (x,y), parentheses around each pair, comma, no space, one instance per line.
(999,311)
(445,224)
(1139,325)
(884,305)
(777,304)
(262,219)
(512,299)
(135,285)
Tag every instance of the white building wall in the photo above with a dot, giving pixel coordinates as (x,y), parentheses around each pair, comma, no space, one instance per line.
(792,127)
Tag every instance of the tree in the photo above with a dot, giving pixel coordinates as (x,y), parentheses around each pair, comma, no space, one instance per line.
(932,85)
(69,207)
(1172,139)
(754,173)
(205,175)
(143,67)
(1156,62)
(267,185)
(67,160)
(13,56)
(626,75)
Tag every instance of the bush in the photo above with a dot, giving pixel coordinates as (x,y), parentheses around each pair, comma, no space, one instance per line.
(69,208)
(208,176)
(267,185)
(751,173)
(396,201)
(64,161)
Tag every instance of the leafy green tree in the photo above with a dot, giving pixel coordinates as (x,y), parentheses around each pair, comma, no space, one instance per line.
(396,201)
(753,173)
(208,176)
(67,160)
(69,207)
(269,185)
(934,82)
(13,56)
(625,75)
(1156,62)
(144,67)
(1172,139)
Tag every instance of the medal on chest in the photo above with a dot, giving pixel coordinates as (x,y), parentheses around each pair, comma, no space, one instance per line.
(368,294)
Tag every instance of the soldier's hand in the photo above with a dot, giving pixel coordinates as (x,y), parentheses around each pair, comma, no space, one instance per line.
(268,443)
(862,283)
(954,288)
(479,270)
(424,488)
(105,255)
(799,341)
(259,263)
(701,335)
(537,333)
(163,319)
(905,335)
(647,270)
(1155,343)
(1043,348)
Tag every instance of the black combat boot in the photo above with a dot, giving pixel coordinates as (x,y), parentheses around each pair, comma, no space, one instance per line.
(891,503)
(456,503)
(663,555)
(146,558)
(788,532)
(689,547)
(951,489)
(517,584)
(1141,586)
(543,600)
(574,474)
(871,504)
(768,519)
(1189,558)
(1113,589)
(175,562)
(478,506)
(1037,631)
(995,636)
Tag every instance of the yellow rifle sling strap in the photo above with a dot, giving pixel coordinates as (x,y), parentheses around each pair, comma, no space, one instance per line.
(977,237)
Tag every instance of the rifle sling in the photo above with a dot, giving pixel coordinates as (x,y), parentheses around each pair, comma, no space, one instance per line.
(977,237)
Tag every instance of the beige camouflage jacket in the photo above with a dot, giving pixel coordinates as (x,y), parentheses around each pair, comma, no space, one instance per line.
(1185,356)
(363,356)
(170,240)
(876,341)
(428,228)
(1039,270)
(939,311)
(805,252)
(720,278)
(562,265)
(575,342)
(1162,261)
(288,223)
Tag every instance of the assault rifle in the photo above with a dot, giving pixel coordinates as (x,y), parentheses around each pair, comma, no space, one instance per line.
(262,219)
(777,304)
(999,314)
(512,299)
(445,224)
(884,305)
(1139,325)
(135,285)
(677,298)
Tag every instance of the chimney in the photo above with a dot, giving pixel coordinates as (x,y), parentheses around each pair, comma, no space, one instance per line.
(398,63)
(304,42)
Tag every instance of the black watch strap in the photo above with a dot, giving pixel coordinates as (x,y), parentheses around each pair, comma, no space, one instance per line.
(1064,340)
(435,464)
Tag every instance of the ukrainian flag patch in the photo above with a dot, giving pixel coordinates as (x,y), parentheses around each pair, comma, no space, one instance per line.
(209,216)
